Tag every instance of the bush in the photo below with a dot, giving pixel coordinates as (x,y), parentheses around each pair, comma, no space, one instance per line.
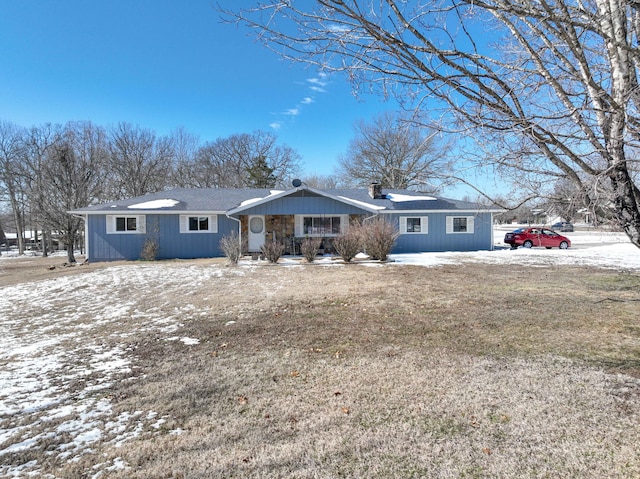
(309,248)
(272,251)
(232,247)
(348,245)
(378,237)
(150,250)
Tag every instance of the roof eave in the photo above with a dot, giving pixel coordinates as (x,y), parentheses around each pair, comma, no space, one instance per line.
(446,210)
(145,212)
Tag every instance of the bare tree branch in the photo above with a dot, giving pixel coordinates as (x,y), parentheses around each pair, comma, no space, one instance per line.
(552,87)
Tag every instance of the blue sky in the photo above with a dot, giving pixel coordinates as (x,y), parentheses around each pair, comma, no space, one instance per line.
(164,64)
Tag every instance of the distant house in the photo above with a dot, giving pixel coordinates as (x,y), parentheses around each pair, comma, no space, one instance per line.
(189,223)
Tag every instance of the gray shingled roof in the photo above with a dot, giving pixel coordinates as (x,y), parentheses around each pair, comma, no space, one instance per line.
(225,199)
(420,204)
(190,199)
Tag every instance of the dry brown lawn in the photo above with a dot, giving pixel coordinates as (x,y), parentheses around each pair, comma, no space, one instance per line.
(359,371)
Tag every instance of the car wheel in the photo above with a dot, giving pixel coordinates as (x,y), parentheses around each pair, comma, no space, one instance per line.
(564,245)
(527,244)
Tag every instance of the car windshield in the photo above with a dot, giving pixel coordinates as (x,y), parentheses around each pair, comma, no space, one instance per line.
(519,230)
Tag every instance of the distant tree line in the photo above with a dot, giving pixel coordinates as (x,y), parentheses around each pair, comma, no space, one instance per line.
(48,170)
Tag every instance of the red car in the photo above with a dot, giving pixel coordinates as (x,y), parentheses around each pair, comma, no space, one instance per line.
(529,237)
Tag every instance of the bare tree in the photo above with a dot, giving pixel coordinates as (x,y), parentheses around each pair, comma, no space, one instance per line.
(39,141)
(140,162)
(395,152)
(72,177)
(204,170)
(321,181)
(549,90)
(12,176)
(241,160)
(185,148)
(566,200)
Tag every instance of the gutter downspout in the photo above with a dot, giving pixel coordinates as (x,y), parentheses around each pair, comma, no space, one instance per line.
(239,226)
(367,218)
(492,233)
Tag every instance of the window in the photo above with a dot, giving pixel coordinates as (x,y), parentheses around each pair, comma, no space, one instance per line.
(320,225)
(125,224)
(460,224)
(414,225)
(198,224)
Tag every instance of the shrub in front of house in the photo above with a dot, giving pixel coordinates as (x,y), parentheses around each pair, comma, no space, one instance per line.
(309,248)
(272,250)
(232,247)
(378,237)
(150,250)
(151,246)
(348,244)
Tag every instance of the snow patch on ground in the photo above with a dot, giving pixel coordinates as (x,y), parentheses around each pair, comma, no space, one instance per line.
(620,256)
(56,372)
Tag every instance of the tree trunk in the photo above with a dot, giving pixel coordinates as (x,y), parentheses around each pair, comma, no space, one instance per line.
(625,203)
(45,244)
(70,256)
(17,217)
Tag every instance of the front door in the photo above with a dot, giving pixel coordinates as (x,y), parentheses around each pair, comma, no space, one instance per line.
(256,233)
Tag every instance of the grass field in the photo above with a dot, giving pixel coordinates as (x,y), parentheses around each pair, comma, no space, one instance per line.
(191,369)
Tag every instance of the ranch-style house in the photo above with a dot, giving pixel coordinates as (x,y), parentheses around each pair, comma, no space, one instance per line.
(189,223)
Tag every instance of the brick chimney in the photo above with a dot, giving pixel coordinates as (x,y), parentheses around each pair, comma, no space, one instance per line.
(375,191)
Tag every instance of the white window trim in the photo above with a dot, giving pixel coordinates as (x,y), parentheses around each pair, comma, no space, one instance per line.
(424,225)
(299,229)
(184,224)
(470,225)
(141,225)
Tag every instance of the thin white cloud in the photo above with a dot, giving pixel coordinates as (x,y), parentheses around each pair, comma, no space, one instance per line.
(317,81)
(315,84)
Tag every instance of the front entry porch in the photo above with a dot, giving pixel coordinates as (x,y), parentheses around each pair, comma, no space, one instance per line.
(282,228)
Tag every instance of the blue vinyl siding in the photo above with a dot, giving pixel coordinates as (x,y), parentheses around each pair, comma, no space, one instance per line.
(438,240)
(103,246)
(173,244)
(165,225)
(166,228)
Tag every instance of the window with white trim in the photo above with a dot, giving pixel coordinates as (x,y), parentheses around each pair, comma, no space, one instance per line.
(460,224)
(414,225)
(198,223)
(321,225)
(126,224)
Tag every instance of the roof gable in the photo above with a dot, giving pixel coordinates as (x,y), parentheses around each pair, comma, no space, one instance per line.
(303,191)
